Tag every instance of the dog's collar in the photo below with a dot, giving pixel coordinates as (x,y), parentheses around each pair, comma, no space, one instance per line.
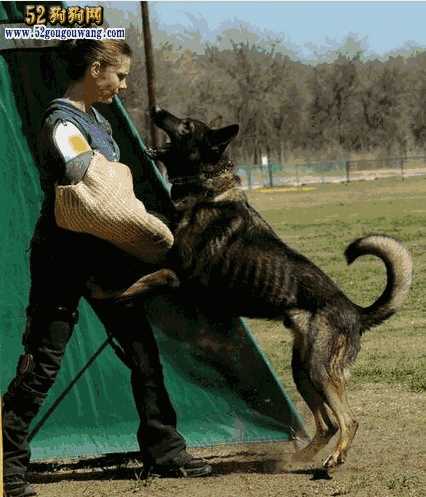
(208,171)
(204,187)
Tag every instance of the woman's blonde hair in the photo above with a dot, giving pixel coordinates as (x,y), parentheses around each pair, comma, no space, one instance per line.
(80,54)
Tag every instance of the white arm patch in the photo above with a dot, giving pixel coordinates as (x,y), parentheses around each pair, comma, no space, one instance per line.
(69,141)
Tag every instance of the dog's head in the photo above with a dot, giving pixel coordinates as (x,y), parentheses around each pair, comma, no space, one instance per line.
(192,143)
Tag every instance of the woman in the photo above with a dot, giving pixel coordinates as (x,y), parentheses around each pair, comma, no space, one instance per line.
(61,263)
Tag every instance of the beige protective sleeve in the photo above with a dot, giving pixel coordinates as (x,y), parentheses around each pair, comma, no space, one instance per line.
(104,204)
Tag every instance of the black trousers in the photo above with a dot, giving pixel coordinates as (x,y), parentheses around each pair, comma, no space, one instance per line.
(51,317)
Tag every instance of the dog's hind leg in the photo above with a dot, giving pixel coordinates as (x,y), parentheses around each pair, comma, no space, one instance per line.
(327,361)
(326,427)
(335,392)
(325,354)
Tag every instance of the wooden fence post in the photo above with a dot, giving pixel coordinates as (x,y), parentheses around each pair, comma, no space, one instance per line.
(348,171)
(271,179)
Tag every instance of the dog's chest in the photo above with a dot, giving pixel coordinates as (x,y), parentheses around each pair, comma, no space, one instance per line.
(193,227)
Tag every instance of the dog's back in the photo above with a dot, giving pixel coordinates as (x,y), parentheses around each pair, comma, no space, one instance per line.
(226,248)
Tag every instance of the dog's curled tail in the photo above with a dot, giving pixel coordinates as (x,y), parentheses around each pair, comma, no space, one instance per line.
(399,269)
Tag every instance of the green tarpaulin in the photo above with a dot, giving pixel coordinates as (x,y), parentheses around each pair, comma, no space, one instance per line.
(222,387)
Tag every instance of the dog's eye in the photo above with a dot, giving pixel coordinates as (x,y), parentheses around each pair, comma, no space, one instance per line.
(188,126)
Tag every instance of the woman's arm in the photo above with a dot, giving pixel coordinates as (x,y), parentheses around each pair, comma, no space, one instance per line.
(64,152)
(73,150)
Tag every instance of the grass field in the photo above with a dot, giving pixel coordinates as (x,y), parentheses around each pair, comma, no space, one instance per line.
(320,223)
(387,391)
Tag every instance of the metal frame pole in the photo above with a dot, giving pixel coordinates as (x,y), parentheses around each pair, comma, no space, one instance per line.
(149,64)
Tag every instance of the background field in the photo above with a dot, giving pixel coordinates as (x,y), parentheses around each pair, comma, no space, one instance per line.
(387,391)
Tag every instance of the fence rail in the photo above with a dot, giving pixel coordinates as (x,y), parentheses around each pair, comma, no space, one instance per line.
(276,175)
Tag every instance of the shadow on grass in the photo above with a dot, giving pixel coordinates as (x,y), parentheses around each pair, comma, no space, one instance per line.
(130,467)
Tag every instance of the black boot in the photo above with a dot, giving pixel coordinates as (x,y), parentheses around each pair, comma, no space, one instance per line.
(182,466)
(17,486)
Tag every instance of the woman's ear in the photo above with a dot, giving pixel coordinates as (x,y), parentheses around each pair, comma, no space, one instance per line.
(95,69)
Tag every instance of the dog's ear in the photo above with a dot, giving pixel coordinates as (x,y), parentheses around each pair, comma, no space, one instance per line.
(222,137)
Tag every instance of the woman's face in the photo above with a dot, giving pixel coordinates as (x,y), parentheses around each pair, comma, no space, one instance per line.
(109,80)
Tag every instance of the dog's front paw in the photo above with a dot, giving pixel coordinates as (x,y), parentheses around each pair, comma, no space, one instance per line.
(163,278)
(169,278)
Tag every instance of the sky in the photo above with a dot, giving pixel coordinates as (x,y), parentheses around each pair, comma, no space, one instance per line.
(387,25)
(384,26)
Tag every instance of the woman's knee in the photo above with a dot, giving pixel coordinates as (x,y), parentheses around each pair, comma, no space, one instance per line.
(46,335)
(49,326)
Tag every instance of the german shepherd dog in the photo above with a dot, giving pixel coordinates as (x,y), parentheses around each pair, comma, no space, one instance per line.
(232,261)
(226,253)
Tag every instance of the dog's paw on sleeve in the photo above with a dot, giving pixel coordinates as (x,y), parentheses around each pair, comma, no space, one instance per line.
(161,279)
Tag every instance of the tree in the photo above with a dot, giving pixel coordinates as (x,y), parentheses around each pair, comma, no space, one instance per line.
(333,109)
(384,109)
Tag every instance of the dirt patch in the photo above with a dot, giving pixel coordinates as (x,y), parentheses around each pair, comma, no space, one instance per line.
(387,460)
